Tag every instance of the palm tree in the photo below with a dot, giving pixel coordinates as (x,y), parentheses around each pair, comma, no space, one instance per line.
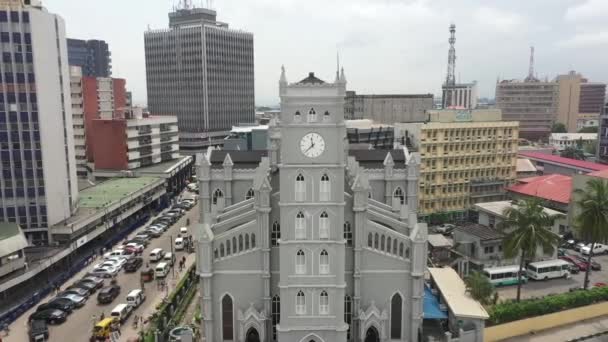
(479,287)
(528,228)
(592,220)
(573,152)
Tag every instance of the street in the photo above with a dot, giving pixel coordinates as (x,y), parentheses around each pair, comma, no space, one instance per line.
(79,324)
(555,286)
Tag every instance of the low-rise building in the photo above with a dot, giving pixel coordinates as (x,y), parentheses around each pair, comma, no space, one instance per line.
(562,141)
(439,248)
(550,164)
(12,244)
(247,138)
(375,135)
(481,244)
(553,189)
(135,141)
(491,214)
(467,157)
(525,168)
(387,108)
(459,95)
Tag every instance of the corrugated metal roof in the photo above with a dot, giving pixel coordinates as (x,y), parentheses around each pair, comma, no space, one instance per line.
(553,187)
(549,158)
(525,165)
(454,291)
(482,232)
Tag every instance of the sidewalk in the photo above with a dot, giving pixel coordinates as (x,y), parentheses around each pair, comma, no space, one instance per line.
(127,330)
(566,332)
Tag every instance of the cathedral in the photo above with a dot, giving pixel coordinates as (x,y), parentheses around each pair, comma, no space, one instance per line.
(310,241)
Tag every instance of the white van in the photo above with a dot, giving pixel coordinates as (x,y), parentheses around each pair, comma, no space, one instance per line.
(183,230)
(156,254)
(161,270)
(118,253)
(169,258)
(136,297)
(121,312)
(179,244)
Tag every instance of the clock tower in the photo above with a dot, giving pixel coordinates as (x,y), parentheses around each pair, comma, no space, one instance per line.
(312,245)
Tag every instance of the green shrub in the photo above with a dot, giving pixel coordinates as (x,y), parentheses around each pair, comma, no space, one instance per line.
(512,311)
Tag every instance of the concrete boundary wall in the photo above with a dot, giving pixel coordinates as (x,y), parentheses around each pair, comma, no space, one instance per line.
(539,323)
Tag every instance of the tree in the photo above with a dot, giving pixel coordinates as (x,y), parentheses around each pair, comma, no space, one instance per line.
(590,129)
(573,153)
(479,287)
(559,127)
(592,220)
(527,226)
(591,148)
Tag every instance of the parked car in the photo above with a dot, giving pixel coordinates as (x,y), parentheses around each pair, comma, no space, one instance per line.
(77,291)
(38,330)
(154,232)
(184,205)
(62,304)
(78,301)
(134,264)
(578,245)
(104,272)
(561,252)
(141,241)
(120,261)
(580,265)
(596,266)
(89,287)
(161,225)
(118,252)
(108,294)
(177,211)
(142,236)
(598,248)
(139,248)
(163,220)
(109,264)
(445,228)
(94,280)
(51,316)
(574,269)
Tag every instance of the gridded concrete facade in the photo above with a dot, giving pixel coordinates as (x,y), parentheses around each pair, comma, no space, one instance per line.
(534,104)
(93,56)
(387,109)
(36,132)
(467,157)
(202,72)
(461,95)
(78,120)
(294,248)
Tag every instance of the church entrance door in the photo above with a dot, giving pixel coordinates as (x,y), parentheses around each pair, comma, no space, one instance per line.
(372,335)
(252,335)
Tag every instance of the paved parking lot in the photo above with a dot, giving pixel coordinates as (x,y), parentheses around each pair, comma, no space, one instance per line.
(80,323)
(554,286)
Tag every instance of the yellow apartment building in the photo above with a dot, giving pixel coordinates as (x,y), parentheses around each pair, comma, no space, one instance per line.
(468,157)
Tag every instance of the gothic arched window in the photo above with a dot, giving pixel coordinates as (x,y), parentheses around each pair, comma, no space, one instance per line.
(300,188)
(396,314)
(300,262)
(275,234)
(348,234)
(250,194)
(324,226)
(369,240)
(324,188)
(227,318)
(217,195)
(398,196)
(276,315)
(300,303)
(324,262)
(323,303)
(300,226)
(312,115)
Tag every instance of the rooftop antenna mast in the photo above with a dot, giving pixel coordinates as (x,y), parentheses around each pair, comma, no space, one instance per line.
(531,77)
(450,80)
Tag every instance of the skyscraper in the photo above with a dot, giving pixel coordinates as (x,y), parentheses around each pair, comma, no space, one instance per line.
(93,56)
(38,186)
(201,71)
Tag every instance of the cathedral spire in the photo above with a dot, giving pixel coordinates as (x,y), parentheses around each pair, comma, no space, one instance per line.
(342,77)
(283,78)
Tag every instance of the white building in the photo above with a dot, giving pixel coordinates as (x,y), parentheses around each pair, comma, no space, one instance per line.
(460,95)
(562,140)
(78,120)
(39,185)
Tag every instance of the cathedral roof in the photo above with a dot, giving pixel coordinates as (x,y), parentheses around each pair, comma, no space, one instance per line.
(239,159)
(374,159)
(311,79)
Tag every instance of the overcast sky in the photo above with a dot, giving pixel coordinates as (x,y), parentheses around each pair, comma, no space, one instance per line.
(386,46)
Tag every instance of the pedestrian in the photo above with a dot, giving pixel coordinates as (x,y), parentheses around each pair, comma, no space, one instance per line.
(102,316)
(184,260)
(57,288)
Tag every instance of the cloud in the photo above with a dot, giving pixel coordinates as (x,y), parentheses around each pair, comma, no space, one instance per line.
(589,9)
(589,39)
(499,20)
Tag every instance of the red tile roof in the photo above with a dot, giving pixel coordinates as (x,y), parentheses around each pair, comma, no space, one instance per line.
(549,158)
(555,187)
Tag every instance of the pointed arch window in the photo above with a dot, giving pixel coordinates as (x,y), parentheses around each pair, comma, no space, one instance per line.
(300,262)
(234,244)
(395,247)
(324,188)
(324,226)
(252,240)
(401,249)
(382,243)
(312,115)
(221,250)
(376,238)
(218,195)
(396,316)
(323,303)
(228,247)
(324,262)
(398,197)
(216,254)
(369,240)
(275,234)
(297,116)
(348,314)
(240,243)
(388,244)
(227,318)
(246,241)
(300,226)
(250,194)
(300,188)
(326,116)
(300,303)
(276,315)
(348,234)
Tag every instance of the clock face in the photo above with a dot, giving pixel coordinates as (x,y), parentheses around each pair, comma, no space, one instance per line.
(312,145)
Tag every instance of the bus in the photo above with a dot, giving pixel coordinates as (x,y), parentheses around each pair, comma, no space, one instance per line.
(544,270)
(504,275)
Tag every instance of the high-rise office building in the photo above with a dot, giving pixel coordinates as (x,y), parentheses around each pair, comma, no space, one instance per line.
(93,56)
(38,187)
(602,139)
(202,72)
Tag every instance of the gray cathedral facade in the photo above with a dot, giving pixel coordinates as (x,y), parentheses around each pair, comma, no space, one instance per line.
(310,241)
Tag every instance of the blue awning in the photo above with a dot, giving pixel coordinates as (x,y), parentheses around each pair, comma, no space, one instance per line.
(431,307)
